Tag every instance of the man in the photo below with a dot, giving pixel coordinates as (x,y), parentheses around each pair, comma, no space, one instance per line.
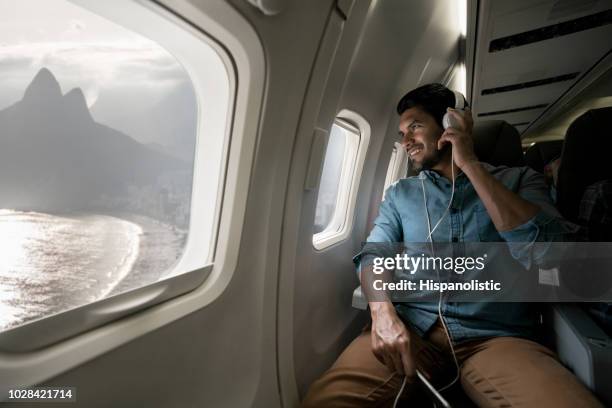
(500,366)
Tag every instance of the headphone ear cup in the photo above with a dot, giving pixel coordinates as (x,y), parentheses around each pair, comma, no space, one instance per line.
(449,121)
(446,121)
(460,104)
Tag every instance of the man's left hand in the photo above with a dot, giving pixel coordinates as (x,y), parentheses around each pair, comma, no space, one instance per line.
(461,138)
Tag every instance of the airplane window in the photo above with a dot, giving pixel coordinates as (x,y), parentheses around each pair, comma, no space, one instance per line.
(398,166)
(339,179)
(390,171)
(97,153)
(335,161)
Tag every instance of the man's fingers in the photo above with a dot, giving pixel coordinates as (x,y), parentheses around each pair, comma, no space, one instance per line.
(382,356)
(391,359)
(389,362)
(379,356)
(405,355)
(397,362)
(444,139)
(407,363)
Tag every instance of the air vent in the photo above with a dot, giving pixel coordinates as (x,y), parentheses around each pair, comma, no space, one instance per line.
(552,31)
(524,108)
(530,84)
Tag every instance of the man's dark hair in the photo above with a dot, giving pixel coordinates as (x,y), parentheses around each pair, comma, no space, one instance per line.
(432,98)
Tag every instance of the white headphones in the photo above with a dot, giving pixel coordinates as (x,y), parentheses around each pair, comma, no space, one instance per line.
(460,103)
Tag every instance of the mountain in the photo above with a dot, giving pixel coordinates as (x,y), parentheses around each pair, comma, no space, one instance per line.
(55,157)
(169,122)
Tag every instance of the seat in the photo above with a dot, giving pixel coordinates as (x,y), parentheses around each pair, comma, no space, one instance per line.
(585,159)
(542,153)
(498,143)
(582,345)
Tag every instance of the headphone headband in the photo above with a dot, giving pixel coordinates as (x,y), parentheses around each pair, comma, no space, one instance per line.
(460,101)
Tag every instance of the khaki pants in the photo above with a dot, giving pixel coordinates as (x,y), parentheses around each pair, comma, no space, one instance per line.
(495,372)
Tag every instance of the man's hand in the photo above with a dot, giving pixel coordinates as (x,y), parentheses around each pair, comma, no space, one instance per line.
(461,138)
(391,339)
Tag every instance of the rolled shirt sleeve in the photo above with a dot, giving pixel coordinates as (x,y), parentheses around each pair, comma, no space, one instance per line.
(545,227)
(387,231)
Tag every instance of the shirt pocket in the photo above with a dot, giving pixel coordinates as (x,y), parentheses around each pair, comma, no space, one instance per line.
(486,229)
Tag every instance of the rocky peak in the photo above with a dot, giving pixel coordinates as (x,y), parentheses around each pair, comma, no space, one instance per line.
(44,88)
(76,105)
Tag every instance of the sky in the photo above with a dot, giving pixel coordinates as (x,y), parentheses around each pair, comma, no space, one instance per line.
(83,50)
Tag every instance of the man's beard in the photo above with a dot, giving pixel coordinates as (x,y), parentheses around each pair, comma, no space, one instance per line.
(432,160)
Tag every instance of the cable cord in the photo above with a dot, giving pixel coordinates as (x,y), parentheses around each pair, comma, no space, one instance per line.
(401,390)
(450,202)
(430,240)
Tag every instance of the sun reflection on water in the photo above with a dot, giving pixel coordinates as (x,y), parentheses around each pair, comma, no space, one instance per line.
(51,263)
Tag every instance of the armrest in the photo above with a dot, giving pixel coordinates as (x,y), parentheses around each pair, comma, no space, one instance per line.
(359,301)
(584,348)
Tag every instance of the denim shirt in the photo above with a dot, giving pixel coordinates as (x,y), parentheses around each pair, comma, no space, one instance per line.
(403,218)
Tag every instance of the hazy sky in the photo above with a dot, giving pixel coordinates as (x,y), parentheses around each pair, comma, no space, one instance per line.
(118,68)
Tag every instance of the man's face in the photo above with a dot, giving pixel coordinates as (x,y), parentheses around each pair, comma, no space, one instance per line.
(419,135)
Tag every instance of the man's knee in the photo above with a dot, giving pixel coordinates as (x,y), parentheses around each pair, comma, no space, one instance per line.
(342,387)
(521,371)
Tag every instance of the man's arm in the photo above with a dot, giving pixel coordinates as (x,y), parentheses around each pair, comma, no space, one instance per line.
(521,218)
(389,336)
(507,209)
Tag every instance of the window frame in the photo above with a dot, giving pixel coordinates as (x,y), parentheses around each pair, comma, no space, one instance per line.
(398,167)
(341,223)
(191,269)
(223,27)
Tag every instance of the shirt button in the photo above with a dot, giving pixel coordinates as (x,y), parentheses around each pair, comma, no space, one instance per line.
(455,239)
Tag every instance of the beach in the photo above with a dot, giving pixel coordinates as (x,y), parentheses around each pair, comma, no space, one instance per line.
(50,263)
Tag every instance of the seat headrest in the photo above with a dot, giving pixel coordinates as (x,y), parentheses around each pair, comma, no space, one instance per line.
(585,159)
(542,153)
(498,143)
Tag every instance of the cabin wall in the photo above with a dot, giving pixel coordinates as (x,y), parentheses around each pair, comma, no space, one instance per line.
(224,355)
(286,314)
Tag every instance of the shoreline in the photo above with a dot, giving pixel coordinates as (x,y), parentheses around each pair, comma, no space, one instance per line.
(80,258)
(160,247)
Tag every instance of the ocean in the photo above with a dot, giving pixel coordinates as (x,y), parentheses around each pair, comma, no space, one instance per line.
(52,263)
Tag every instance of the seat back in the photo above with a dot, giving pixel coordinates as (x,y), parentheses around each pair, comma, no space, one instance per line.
(542,153)
(498,143)
(585,159)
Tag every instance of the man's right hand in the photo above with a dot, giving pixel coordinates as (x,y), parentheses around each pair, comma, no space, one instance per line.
(391,339)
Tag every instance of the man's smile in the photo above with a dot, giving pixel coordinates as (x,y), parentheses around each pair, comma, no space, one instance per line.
(414,150)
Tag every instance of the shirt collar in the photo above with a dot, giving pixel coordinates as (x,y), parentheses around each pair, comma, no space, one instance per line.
(435,177)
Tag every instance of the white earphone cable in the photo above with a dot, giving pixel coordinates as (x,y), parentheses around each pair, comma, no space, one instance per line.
(450,202)
(430,240)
